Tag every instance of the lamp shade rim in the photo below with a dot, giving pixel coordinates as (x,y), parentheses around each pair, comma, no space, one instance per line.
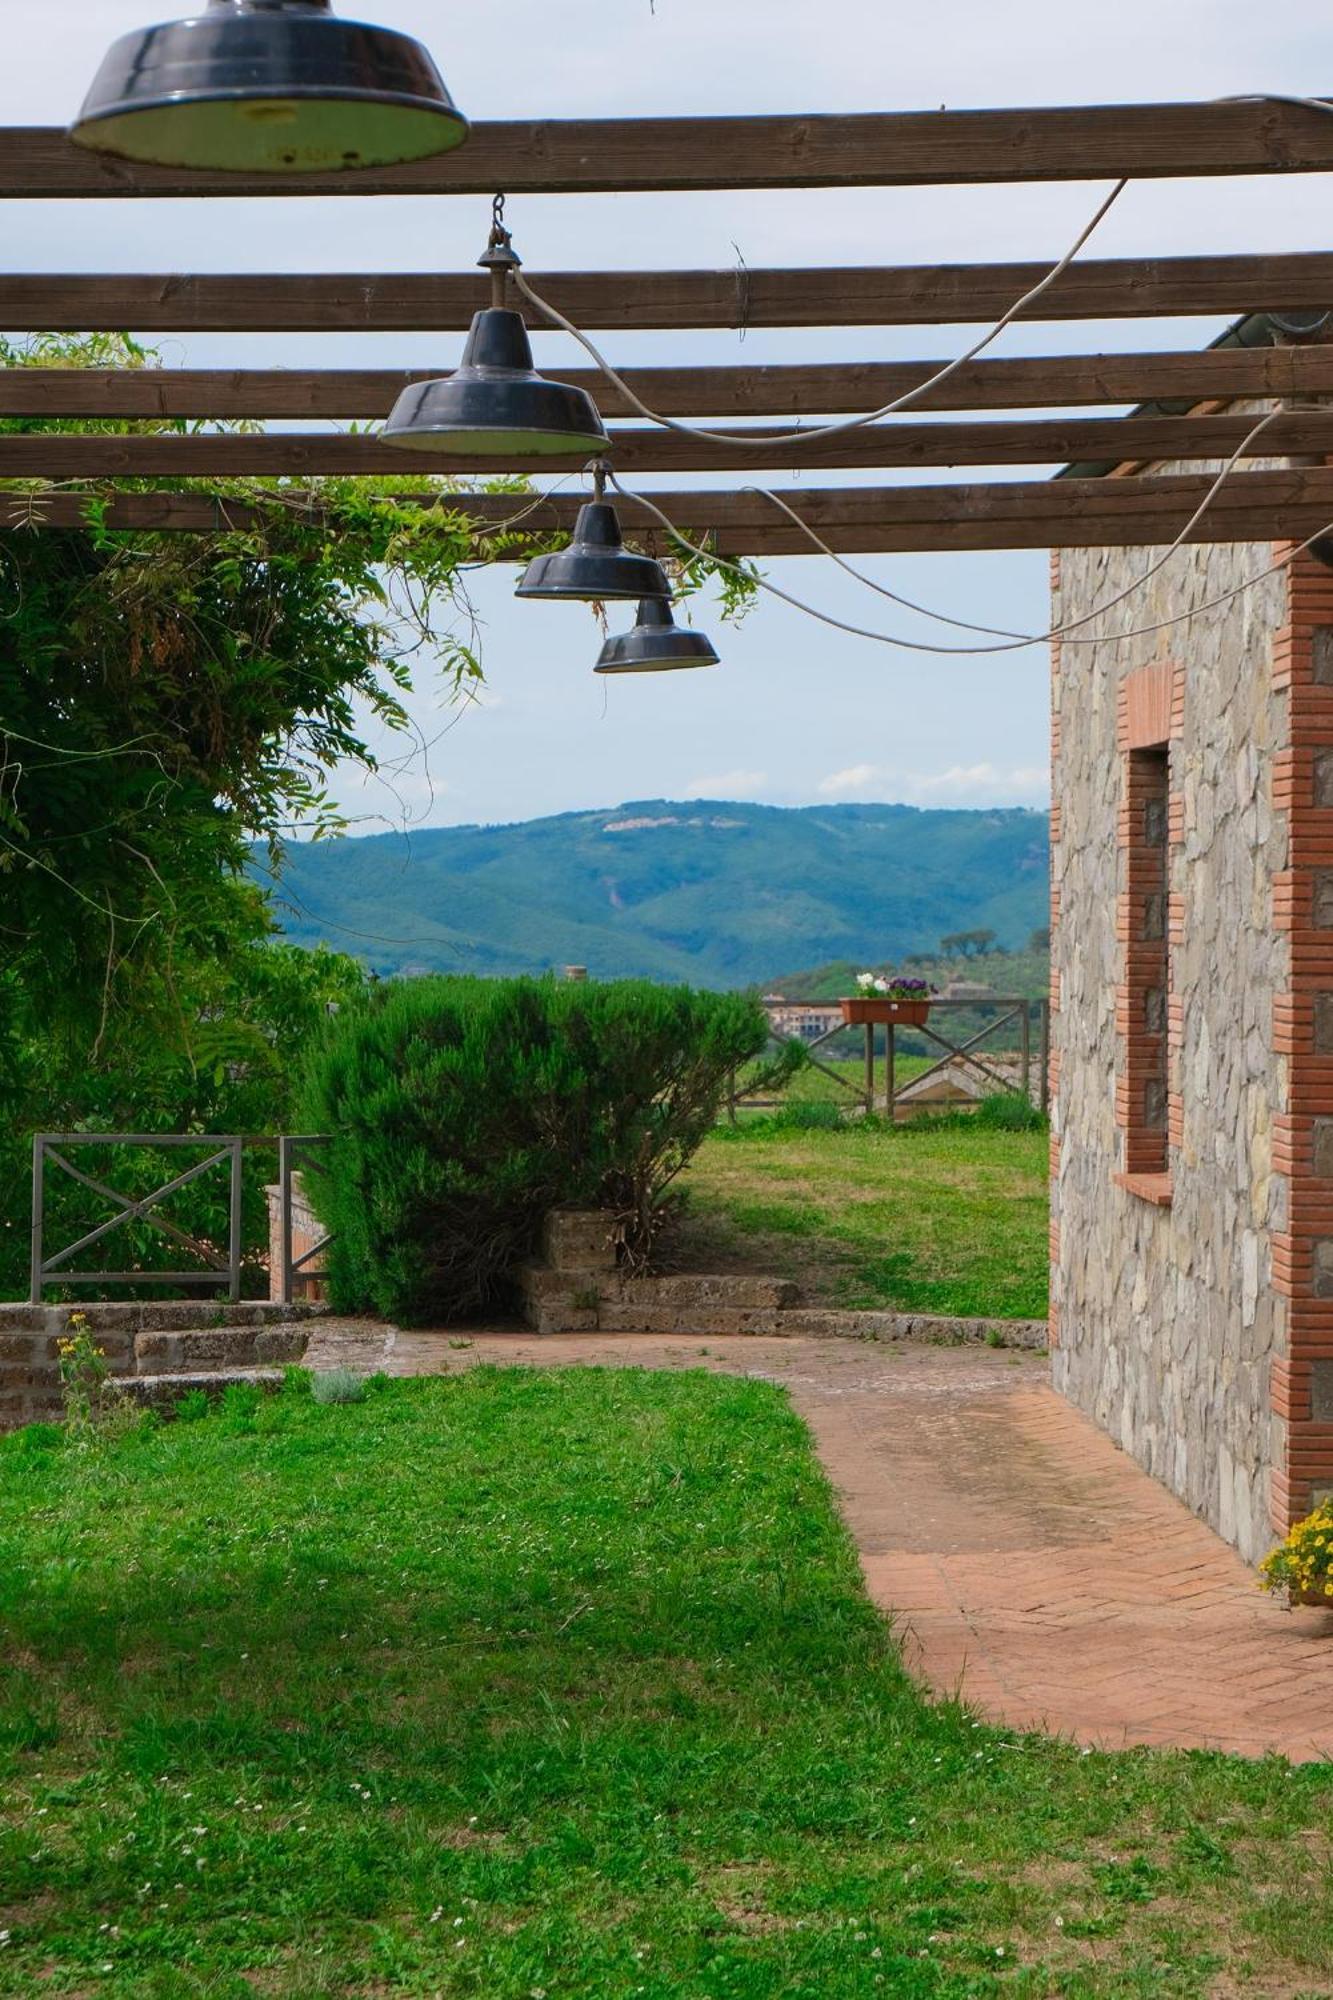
(440,437)
(656,666)
(597,579)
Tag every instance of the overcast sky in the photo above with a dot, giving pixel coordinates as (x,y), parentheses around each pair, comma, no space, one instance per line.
(796,714)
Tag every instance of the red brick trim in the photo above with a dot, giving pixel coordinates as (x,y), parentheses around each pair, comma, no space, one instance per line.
(1155,1188)
(1148,920)
(1150,706)
(1302,1253)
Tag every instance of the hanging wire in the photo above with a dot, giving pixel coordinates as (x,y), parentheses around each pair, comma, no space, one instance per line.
(1020,640)
(1016,643)
(844,424)
(1013,641)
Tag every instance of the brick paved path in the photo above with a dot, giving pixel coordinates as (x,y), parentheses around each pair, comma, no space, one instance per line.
(1029,1564)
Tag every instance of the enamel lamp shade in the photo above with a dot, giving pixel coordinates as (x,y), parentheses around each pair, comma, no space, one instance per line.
(596,567)
(655,644)
(268,86)
(496,404)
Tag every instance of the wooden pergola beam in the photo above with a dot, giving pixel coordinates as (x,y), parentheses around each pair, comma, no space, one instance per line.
(889,149)
(870,295)
(297,455)
(1070,513)
(813,389)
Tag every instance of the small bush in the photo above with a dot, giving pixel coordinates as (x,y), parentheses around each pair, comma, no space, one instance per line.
(1005,1111)
(461,1110)
(338,1385)
(192,1407)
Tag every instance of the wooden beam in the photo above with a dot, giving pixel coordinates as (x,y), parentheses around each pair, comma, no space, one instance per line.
(1068,513)
(869,295)
(882,149)
(297,455)
(814,389)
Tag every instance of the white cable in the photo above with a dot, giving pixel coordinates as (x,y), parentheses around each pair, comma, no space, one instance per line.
(1016,641)
(1021,640)
(902,402)
(1018,645)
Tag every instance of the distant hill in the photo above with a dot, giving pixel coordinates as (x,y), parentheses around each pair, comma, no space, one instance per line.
(1018,974)
(712,892)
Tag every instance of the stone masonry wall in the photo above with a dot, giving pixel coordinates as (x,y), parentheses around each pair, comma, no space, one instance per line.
(1165,1320)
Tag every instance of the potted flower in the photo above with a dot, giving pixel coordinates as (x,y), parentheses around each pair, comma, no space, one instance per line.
(885,996)
(1303,1564)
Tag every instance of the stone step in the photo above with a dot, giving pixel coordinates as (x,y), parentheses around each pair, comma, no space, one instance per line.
(185,1351)
(163,1392)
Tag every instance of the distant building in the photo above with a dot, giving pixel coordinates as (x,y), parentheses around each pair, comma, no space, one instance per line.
(804,1020)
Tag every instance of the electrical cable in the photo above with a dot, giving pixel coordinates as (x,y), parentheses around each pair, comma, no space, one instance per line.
(1019,639)
(1017,645)
(1013,641)
(557,318)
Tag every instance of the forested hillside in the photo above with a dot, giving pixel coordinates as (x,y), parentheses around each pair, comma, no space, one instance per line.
(713,892)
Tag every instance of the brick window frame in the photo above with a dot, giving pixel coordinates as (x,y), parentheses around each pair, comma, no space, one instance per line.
(1149,718)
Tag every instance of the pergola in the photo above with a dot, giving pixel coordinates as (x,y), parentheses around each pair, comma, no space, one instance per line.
(1244,137)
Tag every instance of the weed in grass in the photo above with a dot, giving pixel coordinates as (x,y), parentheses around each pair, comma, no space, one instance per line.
(566,1681)
(190,1407)
(337,1385)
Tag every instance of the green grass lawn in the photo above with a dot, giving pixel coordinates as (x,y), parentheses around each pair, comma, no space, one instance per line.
(947,1217)
(563,1685)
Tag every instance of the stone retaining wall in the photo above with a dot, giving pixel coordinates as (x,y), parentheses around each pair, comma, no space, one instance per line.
(139,1340)
(579,1288)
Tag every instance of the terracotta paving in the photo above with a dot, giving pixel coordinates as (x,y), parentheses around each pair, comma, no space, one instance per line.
(1028,1564)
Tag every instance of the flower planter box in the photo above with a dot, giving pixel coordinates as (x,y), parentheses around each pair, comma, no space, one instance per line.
(877,1009)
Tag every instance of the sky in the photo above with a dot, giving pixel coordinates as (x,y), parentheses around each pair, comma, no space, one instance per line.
(796,714)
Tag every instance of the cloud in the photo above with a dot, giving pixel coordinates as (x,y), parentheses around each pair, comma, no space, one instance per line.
(727,785)
(982,783)
(854,779)
(979,783)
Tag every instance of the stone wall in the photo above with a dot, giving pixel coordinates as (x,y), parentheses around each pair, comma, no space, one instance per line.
(579,1287)
(141,1342)
(1165,1320)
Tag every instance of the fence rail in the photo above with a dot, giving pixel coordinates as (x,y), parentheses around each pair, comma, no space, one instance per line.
(290,1267)
(50,1152)
(1014,1010)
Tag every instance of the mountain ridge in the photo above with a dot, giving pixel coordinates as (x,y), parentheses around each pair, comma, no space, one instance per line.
(717,892)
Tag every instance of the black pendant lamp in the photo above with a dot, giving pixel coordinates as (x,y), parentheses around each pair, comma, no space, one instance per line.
(655,644)
(596,567)
(495,404)
(269,86)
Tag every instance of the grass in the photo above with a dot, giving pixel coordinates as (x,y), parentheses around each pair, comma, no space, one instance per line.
(944,1217)
(560,1685)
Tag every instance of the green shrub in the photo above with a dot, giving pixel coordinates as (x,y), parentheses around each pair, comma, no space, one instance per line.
(461,1110)
(192,1407)
(1003,1111)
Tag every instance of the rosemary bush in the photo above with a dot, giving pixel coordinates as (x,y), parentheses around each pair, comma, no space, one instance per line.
(461,1110)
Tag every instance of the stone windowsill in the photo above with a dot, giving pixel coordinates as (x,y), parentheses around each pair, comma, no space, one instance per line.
(1155,1188)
